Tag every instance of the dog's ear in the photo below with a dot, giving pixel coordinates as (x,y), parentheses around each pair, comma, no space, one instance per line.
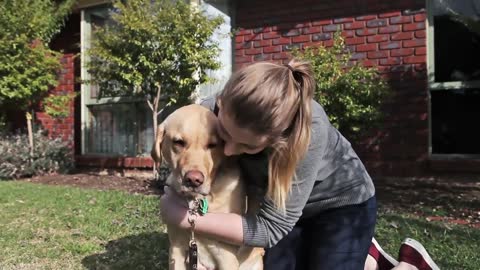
(157,145)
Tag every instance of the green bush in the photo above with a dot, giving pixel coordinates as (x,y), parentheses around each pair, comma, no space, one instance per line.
(50,156)
(351,94)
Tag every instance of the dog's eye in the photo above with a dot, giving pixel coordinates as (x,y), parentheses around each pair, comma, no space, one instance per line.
(179,142)
(212,145)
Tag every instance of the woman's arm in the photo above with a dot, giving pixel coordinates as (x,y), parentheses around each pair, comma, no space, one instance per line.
(226,227)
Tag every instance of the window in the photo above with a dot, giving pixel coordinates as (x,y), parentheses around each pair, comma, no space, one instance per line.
(454,77)
(115,126)
(122,126)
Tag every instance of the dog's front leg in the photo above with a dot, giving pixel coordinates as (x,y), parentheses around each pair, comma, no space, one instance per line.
(177,256)
(227,261)
(177,259)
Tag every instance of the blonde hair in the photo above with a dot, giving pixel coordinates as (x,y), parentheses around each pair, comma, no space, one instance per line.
(274,100)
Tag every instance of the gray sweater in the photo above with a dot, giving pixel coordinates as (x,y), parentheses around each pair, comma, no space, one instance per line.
(330,175)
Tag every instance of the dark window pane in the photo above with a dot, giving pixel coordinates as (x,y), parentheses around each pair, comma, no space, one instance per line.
(457,48)
(455,121)
(119,129)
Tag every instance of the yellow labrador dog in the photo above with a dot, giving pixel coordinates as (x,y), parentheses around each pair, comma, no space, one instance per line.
(188,143)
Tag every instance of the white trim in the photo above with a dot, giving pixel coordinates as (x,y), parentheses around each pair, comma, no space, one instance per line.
(453,85)
(430,73)
(90,3)
(113,100)
(454,157)
(430,44)
(83,75)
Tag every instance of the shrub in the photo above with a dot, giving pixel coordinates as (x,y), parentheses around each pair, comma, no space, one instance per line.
(50,156)
(351,94)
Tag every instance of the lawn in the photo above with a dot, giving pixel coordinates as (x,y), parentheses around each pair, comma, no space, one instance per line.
(55,227)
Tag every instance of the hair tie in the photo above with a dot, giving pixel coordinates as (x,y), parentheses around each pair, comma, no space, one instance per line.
(296,75)
(290,67)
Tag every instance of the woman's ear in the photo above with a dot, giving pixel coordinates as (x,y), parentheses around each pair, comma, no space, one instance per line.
(156,152)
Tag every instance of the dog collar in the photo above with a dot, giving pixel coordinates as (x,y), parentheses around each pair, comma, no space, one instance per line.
(199,206)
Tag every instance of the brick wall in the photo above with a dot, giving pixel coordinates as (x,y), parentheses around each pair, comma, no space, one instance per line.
(62,127)
(388,35)
(67,42)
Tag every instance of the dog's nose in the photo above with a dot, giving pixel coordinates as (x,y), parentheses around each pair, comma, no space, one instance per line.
(194,178)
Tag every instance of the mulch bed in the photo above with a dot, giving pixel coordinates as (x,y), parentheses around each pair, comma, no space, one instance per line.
(456,199)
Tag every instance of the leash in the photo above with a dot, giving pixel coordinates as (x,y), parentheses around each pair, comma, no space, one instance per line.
(199,207)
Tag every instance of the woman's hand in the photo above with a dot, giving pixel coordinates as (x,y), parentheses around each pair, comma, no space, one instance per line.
(173,209)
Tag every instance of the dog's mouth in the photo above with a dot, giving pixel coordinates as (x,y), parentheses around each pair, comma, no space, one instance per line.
(193,192)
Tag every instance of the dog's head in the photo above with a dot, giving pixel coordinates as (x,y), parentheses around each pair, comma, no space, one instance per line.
(187,141)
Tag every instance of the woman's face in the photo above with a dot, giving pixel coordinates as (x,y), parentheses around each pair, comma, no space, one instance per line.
(238,140)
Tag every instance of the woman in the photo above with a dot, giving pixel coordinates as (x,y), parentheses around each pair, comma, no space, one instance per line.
(318,206)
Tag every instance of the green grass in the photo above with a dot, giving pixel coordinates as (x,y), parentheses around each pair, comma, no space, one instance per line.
(52,227)
(450,246)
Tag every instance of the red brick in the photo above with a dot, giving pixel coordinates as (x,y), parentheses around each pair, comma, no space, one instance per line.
(252,37)
(343,20)
(402,36)
(366,32)
(421,51)
(390,61)
(327,43)
(401,20)
(300,39)
(420,68)
(390,45)
(243,59)
(283,26)
(369,63)
(414,43)
(322,22)
(379,54)
(414,26)
(366,47)
(389,29)
(390,14)
(238,39)
(311,44)
(282,55)
(354,25)
(420,17)
(262,57)
(270,35)
(281,41)
(377,23)
(420,34)
(348,34)
(332,28)
(353,41)
(243,31)
(272,49)
(402,52)
(253,51)
(366,18)
(377,38)
(357,56)
(261,43)
(312,30)
(292,33)
(414,59)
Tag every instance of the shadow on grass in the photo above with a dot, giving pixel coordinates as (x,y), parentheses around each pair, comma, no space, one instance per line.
(143,251)
(459,199)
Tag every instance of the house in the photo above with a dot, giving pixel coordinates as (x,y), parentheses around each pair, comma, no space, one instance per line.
(428,50)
